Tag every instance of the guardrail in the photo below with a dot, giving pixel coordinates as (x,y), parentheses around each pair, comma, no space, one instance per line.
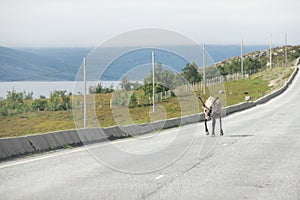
(26,145)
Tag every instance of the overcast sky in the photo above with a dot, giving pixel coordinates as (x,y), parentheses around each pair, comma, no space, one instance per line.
(87,23)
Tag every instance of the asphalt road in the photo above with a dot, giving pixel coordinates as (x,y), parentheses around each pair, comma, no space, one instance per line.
(258,158)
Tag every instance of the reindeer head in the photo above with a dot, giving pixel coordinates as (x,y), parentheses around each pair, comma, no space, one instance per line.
(207,111)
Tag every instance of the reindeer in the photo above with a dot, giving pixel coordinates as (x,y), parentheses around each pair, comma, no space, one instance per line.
(212,109)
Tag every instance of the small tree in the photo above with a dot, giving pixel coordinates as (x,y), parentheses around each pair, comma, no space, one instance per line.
(15,100)
(59,100)
(28,95)
(165,80)
(191,73)
(40,104)
(132,101)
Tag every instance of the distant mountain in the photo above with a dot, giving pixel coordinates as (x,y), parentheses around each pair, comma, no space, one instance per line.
(17,65)
(67,56)
(62,64)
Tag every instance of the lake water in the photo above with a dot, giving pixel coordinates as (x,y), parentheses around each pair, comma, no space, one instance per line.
(45,88)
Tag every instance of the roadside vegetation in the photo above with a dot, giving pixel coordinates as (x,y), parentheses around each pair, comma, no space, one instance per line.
(20,114)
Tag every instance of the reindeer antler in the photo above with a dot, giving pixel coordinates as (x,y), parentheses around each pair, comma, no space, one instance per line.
(215,100)
(201,100)
(203,104)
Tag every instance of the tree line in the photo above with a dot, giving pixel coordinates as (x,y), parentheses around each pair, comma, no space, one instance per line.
(250,65)
(167,80)
(21,102)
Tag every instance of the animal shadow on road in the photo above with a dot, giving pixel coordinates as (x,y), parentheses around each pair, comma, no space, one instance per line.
(238,135)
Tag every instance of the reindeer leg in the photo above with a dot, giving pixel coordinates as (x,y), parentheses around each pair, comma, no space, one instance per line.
(206,129)
(213,126)
(221,130)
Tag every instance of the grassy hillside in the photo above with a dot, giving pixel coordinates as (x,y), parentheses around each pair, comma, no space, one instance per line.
(256,86)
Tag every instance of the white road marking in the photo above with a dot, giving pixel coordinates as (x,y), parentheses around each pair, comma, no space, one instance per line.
(42,157)
(159,177)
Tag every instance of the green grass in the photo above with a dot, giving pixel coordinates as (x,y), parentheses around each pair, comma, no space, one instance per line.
(257,85)
(237,90)
(37,122)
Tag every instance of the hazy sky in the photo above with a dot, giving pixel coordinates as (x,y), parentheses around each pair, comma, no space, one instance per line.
(74,23)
